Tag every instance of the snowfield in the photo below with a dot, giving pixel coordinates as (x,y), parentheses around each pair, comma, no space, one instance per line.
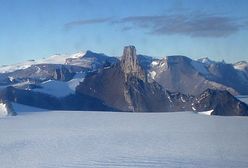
(54,59)
(69,139)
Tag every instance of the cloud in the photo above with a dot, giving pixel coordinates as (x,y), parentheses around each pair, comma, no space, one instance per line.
(194,24)
(86,22)
(126,28)
(201,25)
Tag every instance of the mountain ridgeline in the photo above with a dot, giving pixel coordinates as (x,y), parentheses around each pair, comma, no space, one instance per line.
(126,87)
(133,83)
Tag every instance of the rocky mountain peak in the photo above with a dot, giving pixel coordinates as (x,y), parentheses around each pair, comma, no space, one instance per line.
(130,64)
(221,102)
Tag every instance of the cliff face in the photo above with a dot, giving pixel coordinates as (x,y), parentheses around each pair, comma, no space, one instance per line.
(220,103)
(182,74)
(63,74)
(130,65)
(125,86)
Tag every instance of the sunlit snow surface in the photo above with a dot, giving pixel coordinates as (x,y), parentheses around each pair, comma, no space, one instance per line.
(61,88)
(243,98)
(110,140)
(54,59)
(206,112)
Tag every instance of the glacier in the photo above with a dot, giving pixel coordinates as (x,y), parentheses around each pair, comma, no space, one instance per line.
(55,139)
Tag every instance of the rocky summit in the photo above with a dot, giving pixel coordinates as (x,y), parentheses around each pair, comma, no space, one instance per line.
(130,64)
(136,83)
(125,87)
(220,103)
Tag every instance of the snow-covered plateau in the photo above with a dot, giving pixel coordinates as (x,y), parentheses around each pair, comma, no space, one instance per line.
(68,139)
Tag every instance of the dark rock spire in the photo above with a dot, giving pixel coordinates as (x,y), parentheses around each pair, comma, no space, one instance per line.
(130,64)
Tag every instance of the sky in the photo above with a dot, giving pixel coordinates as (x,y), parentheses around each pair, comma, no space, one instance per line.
(33,29)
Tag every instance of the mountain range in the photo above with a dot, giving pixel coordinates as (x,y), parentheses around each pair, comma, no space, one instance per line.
(94,81)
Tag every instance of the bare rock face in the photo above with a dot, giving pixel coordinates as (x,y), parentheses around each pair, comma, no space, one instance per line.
(63,74)
(130,64)
(182,74)
(125,86)
(220,103)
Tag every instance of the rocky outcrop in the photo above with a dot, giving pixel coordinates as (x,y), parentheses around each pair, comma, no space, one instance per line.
(125,86)
(6,108)
(46,101)
(220,103)
(130,65)
(63,74)
(181,74)
(38,73)
(227,75)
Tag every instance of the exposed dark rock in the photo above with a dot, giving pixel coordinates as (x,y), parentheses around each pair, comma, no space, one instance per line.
(63,74)
(114,85)
(221,102)
(181,74)
(125,87)
(40,73)
(130,64)
(179,101)
(107,85)
(45,101)
(145,61)
(225,74)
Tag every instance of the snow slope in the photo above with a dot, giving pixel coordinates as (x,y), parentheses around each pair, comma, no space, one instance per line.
(206,112)
(54,59)
(243,98)
(61,88)
(134,140)
(242,65)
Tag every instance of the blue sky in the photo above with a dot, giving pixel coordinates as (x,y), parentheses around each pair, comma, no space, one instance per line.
(31,29)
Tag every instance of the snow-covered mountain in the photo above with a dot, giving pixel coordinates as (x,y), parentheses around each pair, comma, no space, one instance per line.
(54,59)
(56,67)
(126,87)
(86,59)
(95,81)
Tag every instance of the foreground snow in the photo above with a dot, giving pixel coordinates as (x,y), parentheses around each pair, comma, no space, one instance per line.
(110,139)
